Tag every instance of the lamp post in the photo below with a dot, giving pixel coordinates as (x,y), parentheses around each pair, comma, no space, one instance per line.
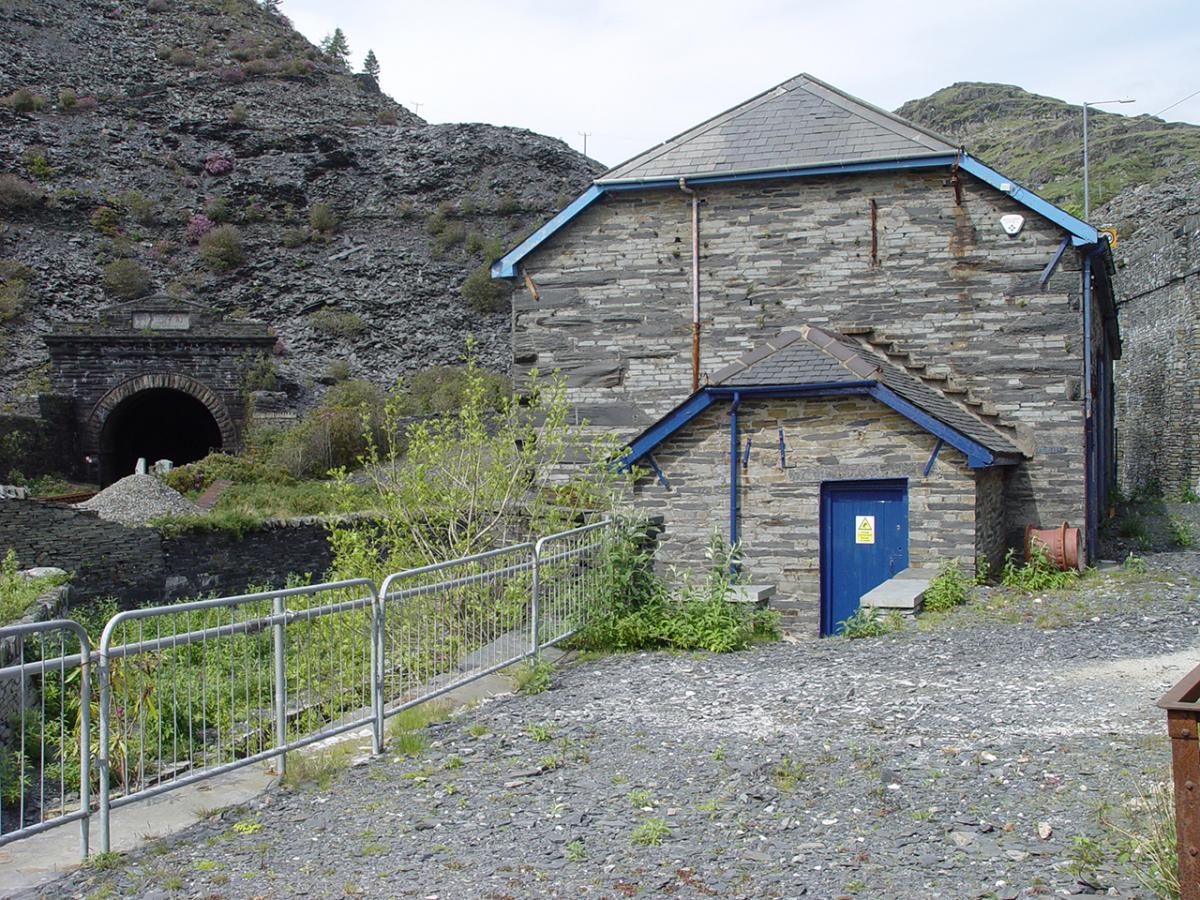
(1087,206)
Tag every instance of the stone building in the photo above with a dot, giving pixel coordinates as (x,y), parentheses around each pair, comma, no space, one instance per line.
(806,211)
(1158,382)
(155,378)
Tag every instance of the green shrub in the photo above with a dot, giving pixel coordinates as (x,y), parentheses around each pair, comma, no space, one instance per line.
(1038,574)
(17,193)
(1147,841)
(1188,495)
(338,370)
(322,218)
(24,100)
(36,163)
(451,235)
(221,249)
(238,468)
(1181,533)
(387,116)
(182,57)
(17,592)
(339,323)
(238,114)
(294,237)
(335,434)
(947,589)
(14,288)
(445,389)
(867,623)
(14,777)
(142,208)
(508,205)
(217,210)
(532,677)
(482,292)
(105,220)
(1133,528)
(124,278)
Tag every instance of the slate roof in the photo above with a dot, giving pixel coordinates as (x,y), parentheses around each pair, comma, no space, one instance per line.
(801,123)
(811,356)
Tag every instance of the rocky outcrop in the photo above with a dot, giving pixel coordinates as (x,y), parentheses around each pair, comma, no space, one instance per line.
(358,221)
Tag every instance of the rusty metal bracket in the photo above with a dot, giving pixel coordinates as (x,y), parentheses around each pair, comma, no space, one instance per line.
(1182,704)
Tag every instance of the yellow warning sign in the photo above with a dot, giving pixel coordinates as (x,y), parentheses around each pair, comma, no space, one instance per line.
(864,529)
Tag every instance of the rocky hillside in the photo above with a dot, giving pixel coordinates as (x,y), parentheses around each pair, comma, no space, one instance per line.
(1039,141)
(204,149)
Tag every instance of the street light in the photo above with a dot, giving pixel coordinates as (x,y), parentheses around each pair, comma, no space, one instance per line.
(1087,206)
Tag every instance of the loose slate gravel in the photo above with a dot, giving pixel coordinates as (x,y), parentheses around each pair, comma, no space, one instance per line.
(136,499)
(960,759)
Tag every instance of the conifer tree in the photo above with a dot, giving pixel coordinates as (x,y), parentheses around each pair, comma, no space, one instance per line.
(335,46)
(271,6)
(371,65)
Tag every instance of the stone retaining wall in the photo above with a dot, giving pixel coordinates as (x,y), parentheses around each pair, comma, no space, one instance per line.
(141,566)
(1158,380)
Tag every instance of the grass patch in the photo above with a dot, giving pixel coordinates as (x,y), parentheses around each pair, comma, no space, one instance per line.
(17,592)
(868,623)
(406,729)
(532,677)
(650,833)
(541,731)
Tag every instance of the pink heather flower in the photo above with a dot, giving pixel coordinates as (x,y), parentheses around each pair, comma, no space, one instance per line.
(198,226)
(216,163)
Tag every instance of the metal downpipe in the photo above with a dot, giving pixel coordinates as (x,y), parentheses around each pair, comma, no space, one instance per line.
(733,472)
(695,282)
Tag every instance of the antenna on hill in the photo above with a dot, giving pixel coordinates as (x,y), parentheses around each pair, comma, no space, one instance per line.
(585,135)
(417,108)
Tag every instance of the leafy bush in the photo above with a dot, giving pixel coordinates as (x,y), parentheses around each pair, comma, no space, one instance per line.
(105,220)
(259,374)
(482,292)
(36,163)
(24,100)
(338,370)
(17,592)
(238,114)
(340,323)
(867,623)
(14,777)
(322,218)
(295,237)
(142,208)
(221,249)
(67,99)
(451,235)
(1181,533)
(508,205)
(14,284)
(1038,574)
(17,193)
(124,278)
(240,468)
(335,434)
(182,57)
(445,389)
(1147,842)
(947,589)
(387,116)
(217,210)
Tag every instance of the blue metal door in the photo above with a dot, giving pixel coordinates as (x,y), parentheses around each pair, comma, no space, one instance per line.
(864,542)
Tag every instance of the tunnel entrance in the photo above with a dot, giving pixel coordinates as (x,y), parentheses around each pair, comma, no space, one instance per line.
(157,423)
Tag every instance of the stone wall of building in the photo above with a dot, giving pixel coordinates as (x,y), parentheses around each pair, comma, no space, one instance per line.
(1158,377)
(779,509)
(141,566)
(613,303)
(990,528)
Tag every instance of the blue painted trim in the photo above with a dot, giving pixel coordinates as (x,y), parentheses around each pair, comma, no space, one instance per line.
(746,456)
(933,457)
(1053,264)
(782,451)
(666,426)
(978,456)
(1082,232)
(662,479)
(733,472)
(505,266)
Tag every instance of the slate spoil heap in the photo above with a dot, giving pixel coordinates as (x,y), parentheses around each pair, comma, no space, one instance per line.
(136,499)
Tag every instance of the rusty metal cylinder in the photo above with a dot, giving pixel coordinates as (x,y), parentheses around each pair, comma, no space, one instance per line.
(1062,545)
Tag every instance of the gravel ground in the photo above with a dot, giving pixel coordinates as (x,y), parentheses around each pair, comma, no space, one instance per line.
(135,499)
(966,757)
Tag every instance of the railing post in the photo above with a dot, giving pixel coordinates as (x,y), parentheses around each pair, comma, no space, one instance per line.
(85,744)
(102,753)
(535,589)
(377,671)
(1185,767)
(278,636)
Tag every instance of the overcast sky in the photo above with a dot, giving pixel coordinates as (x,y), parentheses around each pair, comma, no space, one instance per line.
(635,73)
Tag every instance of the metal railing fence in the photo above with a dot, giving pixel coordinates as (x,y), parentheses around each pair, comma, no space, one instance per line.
(45,754)
(190,691)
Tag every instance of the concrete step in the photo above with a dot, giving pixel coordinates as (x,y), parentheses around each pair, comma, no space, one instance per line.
(902,592)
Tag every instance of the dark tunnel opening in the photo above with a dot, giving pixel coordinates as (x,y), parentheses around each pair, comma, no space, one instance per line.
(159,423)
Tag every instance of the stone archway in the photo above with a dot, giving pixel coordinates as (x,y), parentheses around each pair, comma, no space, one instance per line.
(156,415)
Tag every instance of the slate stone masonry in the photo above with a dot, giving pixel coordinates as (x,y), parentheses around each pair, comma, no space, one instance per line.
(142,566)
(1158,379)
(779,509)
(947,285)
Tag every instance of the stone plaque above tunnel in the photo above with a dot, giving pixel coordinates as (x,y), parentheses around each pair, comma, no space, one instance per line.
(157,379)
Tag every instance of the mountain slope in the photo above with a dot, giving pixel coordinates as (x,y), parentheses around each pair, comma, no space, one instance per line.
(358,221)
(1039,140)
